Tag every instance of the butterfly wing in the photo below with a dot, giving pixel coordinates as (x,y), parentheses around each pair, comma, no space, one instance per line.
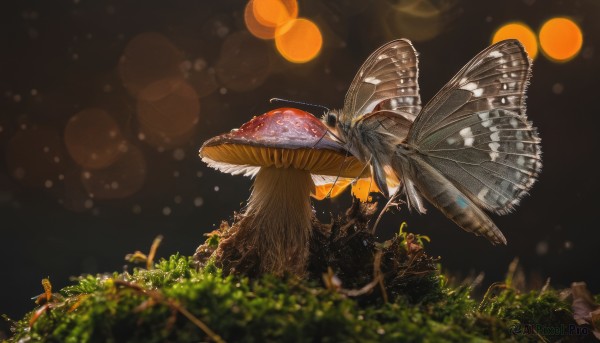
(388,80)
(476,134)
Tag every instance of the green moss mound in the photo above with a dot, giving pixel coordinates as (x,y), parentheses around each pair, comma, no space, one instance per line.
(175,302)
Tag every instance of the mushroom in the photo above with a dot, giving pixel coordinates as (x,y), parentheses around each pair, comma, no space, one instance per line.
(288,151)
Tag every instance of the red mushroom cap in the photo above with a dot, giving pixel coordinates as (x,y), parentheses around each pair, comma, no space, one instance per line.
(282,138)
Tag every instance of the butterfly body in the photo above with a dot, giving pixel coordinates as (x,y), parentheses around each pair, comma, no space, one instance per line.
(470,149)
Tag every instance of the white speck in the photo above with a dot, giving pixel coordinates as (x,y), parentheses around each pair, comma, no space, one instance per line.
(542,248)
(107,88)
(503,100)
(223,90)
(46,149)
(482,193)
(558,88)
(178,154)
(112,133)
(185,65)
(484,116)
(478,92)
(514,123)
(19,173)
(61,177)
(34,92)
(451,140)
(166,210)
(48,184)
(504,86)
(520,146)
(568,245)
(469,86)
(521,160)
(176,174)
(136,209)
(141,136)
(467,136)
(199,64)
(199,174)
(17,98)
(178,199)
(89,203)
(1,129)
(198,202)
(114,185)
(495,54)
(493,128)
(216,188)
(495,136)
(372,80)
(75,57)
(56,159)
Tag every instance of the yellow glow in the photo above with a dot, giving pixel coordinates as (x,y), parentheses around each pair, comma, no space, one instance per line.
(322,191)
(274,13)
(560,39)
(363,187)
(519,31)
(254,26)
(300,40)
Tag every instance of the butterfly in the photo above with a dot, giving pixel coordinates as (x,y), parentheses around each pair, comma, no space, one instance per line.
(470,149)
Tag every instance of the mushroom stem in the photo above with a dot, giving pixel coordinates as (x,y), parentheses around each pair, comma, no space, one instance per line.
(277,220)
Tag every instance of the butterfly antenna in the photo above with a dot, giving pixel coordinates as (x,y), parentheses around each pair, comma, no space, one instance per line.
(274,100)
(338,176)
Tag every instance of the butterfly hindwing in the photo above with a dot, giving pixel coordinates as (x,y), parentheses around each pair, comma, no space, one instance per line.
(388,80)
(475,131)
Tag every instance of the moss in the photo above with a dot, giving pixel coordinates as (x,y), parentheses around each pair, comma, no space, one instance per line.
(151,306)
(355,289)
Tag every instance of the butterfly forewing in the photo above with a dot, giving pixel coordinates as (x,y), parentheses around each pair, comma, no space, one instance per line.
(496,78)
(388,80)
(475,131)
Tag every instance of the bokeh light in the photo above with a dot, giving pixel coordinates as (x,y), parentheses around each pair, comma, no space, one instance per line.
(300,40)
(519,31)
(417,20)
(35,157)
(263,17)
(560,39)
(254,26)
(243,63)
(274,13)
(122,179)
(170,120)
(149,57)
(93,139)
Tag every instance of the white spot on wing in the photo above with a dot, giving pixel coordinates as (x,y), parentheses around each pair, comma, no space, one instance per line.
(482,193)
(372,80)
(469,86)
(467,135)
(478,92)
(495,136)
(495,54)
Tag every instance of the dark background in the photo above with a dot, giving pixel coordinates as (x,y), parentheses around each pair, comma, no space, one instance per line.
(62,57)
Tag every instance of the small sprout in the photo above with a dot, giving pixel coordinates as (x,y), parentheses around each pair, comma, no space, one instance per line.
(140,257)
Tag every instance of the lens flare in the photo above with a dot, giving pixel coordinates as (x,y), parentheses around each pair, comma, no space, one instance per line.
(300,41)
(35,157)
(519,31)
(274,13)
(170,120)
(244,62)
(257,29)
(149,57)
(93,139)
(122,179)
(560,39)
